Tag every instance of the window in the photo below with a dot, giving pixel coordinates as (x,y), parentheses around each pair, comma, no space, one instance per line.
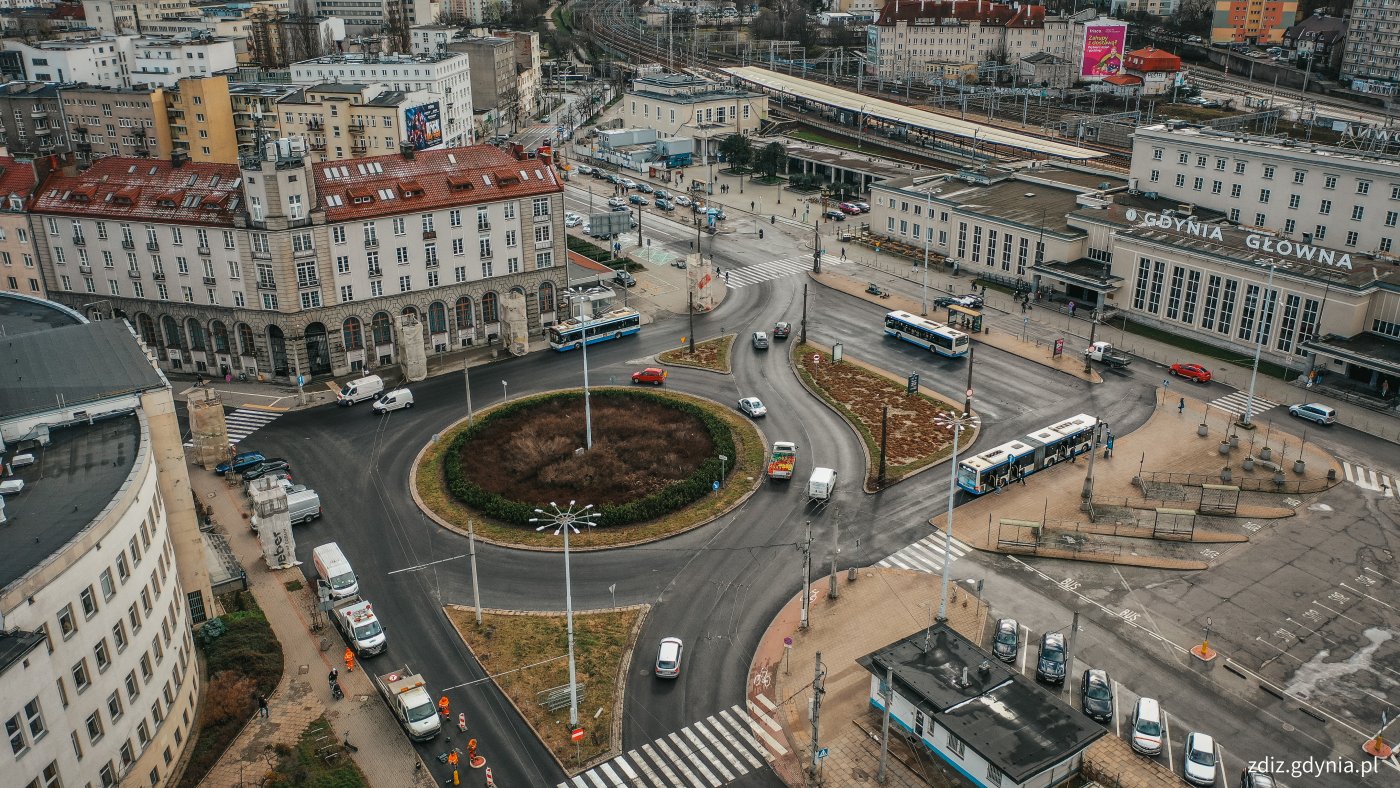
(1357,211)
(1260,220)
(1227,306)
(1183,157)
(427,220)
(89,602)
(1215,187)
(405,284)
(1264,195)
(1390,218)
(338,234)
(1268,172)
(543,234)
(401,255)
(485,248)
(1211,303)
(1239,168)
(100,652)
(1180,179)
(1198,183)
(94,727)
(1351,238)
(1363,187)
(1289,226)
(539,207)
(1236,190)
(398,225)
(1156,154)
(1140,284)
(454,217)
(109,778)
(1295,200)
(1247,312)
(1329,182)
(1188,308)
(114,706)
(1174,294)
(66,624)
(1155,176)
(1299,176)
(956,745)
(14,728)
(1320,232)
(1220,164)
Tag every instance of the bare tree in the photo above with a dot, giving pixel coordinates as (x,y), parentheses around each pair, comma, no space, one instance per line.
(396,29)
(301,32)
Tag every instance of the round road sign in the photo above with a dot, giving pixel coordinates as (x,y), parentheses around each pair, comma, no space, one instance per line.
(577,735)
(969,393)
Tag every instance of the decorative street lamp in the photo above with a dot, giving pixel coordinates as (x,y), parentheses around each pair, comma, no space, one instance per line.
(957,422)
(564,521)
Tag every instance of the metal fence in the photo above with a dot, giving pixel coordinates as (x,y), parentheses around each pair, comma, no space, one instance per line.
(1250,484)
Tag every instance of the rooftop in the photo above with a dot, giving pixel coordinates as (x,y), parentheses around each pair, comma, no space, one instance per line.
(1005,717)
(376,60)
(145,189)
(15,178)
(1039,197)
(40,371)
(71,481)
(946,12)
(22,314)
(1371,350)
(431,180)
(1390,165)
(15,645)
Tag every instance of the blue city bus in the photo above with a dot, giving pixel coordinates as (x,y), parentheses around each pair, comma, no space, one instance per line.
(1008,463)
(937,337)
(613,324)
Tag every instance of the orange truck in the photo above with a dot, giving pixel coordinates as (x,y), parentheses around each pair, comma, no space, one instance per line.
(782,460)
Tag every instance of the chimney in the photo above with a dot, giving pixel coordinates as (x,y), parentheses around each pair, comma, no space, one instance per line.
(178,159)
(406,150)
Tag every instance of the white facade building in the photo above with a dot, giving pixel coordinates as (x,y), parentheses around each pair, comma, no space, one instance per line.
(166,60)
(680,105)
(447,78)
(961,39)
(98,61)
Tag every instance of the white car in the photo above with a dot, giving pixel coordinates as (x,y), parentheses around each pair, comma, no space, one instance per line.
(683,201)
(617,202)
(1198,761)
(668,658)
(629,183)
(572,219)
(752,407)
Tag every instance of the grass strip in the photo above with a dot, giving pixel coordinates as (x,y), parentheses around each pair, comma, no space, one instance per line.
(710,354)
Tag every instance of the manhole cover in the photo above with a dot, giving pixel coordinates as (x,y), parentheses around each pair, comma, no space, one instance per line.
(303,669)
(1288,727)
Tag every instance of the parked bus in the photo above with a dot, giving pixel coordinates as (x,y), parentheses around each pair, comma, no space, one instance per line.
(927,334)
(1009,462)
(613,324)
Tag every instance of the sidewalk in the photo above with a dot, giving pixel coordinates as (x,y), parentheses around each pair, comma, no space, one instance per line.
(385,755)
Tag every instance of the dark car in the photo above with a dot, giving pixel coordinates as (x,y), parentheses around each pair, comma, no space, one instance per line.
(832,213)
(781,330)
(1096,696)
(1050,667)
(1006,640)
(240,463)
(1252,778)
(644,188)
(265,467)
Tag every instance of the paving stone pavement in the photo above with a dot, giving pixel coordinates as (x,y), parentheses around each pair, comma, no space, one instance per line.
(384,753)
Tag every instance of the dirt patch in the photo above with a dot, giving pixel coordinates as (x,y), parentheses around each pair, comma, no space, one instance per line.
(860,395)
(640,446)
(528,655)
(711,354)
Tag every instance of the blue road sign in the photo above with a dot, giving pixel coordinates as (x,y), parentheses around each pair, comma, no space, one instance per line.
(822,753)
(301,380)
(714,486)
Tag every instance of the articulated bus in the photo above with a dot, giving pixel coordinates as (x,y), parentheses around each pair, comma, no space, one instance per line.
(927,334)
(1007,463)
(613,324)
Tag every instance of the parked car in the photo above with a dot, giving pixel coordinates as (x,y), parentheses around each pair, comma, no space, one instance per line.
(834,214)
(1253,778)
(616,202)
(664,204)
(572,219)
(618,208)
(1315,412)
(1198,760)
(628,183)
(668,658)
(760,340)
(683,201)
(1096,695)
(612,178)
(240,462)
(863,206)
(645,188)
(625,279)
(1050,666)
(781,330)
(697,207)
(265,467)
(849,208)
(1006,639)
(1146,734)
(662,194)
(653,375)
(637,199)
(1194,372)
(752,407)
(584,169)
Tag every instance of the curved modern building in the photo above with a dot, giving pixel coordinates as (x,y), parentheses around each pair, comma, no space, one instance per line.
(101,578)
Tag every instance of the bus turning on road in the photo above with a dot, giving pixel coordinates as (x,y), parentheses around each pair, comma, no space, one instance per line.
(1009,462)
(613,324)
(927,334)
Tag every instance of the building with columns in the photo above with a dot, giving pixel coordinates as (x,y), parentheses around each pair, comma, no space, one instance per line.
(278,266)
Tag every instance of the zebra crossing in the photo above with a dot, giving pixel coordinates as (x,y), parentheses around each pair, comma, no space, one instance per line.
(736,278)
(926,555)
(714,751)
(243,422)
(1368,479)
(1237,402)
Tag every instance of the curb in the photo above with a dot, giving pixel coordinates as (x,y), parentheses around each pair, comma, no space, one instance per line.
(679,365)
(432,515)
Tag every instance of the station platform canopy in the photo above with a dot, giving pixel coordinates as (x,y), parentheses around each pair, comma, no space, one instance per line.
(899,114)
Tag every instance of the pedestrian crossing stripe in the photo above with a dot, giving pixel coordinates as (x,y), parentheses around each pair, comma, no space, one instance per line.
(926,555)
(711,752)
(1368,479)
(244,422)
(1237,402)
(736,278)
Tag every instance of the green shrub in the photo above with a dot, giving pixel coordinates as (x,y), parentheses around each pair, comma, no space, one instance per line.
(675,496)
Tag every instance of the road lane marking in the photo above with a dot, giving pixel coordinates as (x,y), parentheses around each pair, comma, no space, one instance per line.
(612,775)
(696,762)
(701,749)
(664,765)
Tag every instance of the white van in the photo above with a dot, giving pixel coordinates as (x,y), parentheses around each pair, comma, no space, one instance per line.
(364,388)
(822,484)
(332,568)
(394,400)
(303,506)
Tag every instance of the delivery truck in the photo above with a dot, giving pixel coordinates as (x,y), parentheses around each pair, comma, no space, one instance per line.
(782,460)
(408,698)
(822,485)
(1104,352)
(355,619)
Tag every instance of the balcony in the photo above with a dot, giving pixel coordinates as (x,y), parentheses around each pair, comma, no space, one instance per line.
(483,227)
(152,246)
(39,113)
(204,250)
(159,276)
(79,240)
(376,272)
(309,282)
(127,243)
(371,243)
(430,235)
(85,269)
(309,251)
(133,273)
(210,281)
(266,284)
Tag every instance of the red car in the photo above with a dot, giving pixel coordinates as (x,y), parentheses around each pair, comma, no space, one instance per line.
(1194,372)
(652,375)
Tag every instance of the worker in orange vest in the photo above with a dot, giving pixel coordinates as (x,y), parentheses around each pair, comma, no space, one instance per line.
(349,660)
(452,759)
(443,708)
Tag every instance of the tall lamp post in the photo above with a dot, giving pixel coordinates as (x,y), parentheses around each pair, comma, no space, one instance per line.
(563,521)
(957,422)
(1248,420)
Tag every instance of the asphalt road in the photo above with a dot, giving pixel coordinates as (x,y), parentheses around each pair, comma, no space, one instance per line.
(717,587)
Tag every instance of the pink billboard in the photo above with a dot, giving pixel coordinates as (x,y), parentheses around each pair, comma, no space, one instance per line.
(1103,50)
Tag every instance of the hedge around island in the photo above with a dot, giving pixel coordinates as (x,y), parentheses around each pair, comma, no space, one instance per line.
(669,499)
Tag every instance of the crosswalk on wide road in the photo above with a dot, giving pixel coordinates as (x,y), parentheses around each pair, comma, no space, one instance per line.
(1237,402)
(246,421)
(1368,479)
(736,278)
(711,752)
(926,555)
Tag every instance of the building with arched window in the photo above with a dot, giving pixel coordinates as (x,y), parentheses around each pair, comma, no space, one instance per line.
(278,267)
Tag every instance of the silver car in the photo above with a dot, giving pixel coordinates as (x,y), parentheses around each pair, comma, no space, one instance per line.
(752,407)
(1198,761)
(668,658)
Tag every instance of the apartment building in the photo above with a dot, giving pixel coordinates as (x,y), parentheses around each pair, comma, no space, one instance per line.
(959,39)
(99,683)
(348,121)
(681,105)
(1373,44)
(104,121)
(100,60)
(199,119)
(254,111)
(1252,21)
(165,60)
(31,119)
(19,267)
(1312,194)
(446,78)
(527,71)
(495,85)
(368,18)
(280,267)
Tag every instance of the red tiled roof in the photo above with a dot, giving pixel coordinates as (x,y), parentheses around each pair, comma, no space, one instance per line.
(588,263)
(118,187)
(1123,79)
(983,11)
(380,186)
(68,11)
(15,178)
(1150,59)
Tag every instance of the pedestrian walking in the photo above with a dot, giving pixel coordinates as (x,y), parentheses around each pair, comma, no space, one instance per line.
(1023,307)
(348,745)
(262,706)
(843,253)
(349,660)
(794,213)
(1181,406)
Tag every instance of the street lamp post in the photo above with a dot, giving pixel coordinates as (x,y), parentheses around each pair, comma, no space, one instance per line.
(1248,420)
(563,521)
(505,392)
(928,236)
(957,422)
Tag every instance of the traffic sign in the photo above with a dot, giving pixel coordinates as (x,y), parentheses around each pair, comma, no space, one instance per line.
(787,642)
(823,752)
(577,735)
(913,384)
(301,380)
(969,393)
